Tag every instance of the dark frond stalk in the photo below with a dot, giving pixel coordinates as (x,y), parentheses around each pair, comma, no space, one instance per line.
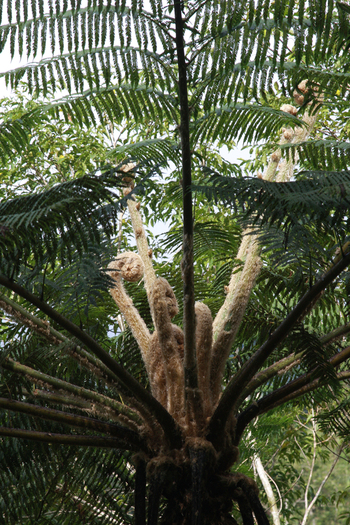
(78,391)
(44,329)
(41,327)
(154,495)
(245,510)
(166,421)
(300,386)
(64,439)
(258,509)
(190,364)
(58,399)
(129,437)
(335,334)
(283,394)
(343,249)
(262,377)
(242,378)
(288,362)
(140,493)
(198,467)
(69,401)
(343,376)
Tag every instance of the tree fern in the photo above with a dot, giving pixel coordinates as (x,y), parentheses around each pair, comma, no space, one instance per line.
(170,84)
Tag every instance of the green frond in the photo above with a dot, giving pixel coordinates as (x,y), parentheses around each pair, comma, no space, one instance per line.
(315,354)
(56,484)
(118,102)
(336,420)
(298,222)
(161,151)
(226,35)
(244,66)
(322,154)
(73,212)
(208,237)
(84,30)
(15,133)
(242,122)
(115,104)
(89,65)
(318,196)
(331,82)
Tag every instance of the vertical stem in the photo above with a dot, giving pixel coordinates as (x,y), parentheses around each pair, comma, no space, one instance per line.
(140,493)
(268,489)
(190,364)
(306,496)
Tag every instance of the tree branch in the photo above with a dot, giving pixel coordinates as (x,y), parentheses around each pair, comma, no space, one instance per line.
(166,421)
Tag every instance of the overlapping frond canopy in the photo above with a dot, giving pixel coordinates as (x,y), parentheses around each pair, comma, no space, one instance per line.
(65,218)
(117,58)
(290,216)
(69,216)
(319,192)
(327,155)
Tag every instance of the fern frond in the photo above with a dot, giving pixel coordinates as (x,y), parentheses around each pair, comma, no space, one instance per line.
(65,483)
(336,420)
(316,197)
(116,102)
(89,66)
(15,133)
(238,121)
(113,104)
(73,212)
(90,22)
(162,151)
(225,35)
(297,220)
(322,154)
(208,237)
(244,66)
